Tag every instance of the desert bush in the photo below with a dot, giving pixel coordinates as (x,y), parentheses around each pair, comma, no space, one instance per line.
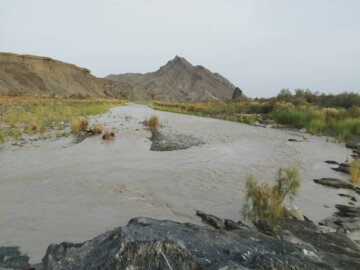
(152,122)
(265,202)
(355,172)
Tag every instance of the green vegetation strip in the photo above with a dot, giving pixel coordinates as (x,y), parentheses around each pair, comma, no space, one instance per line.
(343,122)
(20,115)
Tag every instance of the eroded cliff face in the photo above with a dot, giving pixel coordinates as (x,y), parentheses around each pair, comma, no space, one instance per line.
(27,75)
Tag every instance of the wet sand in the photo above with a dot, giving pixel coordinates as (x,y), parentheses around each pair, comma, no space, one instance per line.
(54,191)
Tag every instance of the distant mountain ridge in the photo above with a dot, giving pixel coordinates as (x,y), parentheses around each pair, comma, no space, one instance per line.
(178,80)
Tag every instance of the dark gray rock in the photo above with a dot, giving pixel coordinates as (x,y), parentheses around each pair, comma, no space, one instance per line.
(11,258)
(353,142)
(348,211)
(332,162)
(154,244)
(294,140)
(238,94)
(219,223)
(336,183)
(347,218)
(343,167)
(352,198)
(333,182)
(213,221)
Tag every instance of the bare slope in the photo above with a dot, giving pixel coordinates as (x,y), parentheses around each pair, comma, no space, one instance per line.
(178,80)
(33,75)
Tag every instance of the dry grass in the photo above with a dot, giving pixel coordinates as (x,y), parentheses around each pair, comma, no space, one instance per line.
(79,125)
(97,129)
(32,115)
(355,172)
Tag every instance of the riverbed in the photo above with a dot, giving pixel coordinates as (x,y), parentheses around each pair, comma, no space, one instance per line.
(57,190)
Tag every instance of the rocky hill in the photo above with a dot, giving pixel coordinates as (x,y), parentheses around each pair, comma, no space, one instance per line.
(27,75)
(178,80)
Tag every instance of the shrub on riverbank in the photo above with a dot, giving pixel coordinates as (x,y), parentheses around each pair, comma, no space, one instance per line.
(265,202)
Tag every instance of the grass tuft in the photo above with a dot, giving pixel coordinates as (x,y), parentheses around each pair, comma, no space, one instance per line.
(355,172)
(79,125)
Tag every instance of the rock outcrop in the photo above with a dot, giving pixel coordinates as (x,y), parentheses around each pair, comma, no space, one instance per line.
(347,218)
(337,183)
(238,94)
(147,243)
(178,80)
(160,244)
(11,258)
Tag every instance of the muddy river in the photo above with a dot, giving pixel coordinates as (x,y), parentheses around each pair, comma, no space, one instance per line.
(53,191)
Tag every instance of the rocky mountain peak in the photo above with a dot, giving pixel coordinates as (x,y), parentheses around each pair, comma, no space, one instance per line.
(179,80)
(177,62)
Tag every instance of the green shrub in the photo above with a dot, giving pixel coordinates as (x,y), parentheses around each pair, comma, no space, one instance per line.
(265,202)
(316,126)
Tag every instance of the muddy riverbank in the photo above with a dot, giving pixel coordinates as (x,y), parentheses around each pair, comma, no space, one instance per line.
(53,191)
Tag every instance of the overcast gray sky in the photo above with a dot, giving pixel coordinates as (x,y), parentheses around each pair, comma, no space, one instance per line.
(259,45)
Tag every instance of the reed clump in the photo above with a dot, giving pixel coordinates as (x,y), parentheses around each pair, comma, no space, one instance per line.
(265,202)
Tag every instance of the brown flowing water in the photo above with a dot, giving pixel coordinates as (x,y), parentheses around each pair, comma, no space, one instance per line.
(53,191)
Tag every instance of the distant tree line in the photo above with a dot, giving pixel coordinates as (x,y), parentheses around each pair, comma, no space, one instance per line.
(301,96)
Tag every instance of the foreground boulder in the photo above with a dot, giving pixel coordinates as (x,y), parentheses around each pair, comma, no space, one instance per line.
(353,142)
(11,258)
(160,244)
